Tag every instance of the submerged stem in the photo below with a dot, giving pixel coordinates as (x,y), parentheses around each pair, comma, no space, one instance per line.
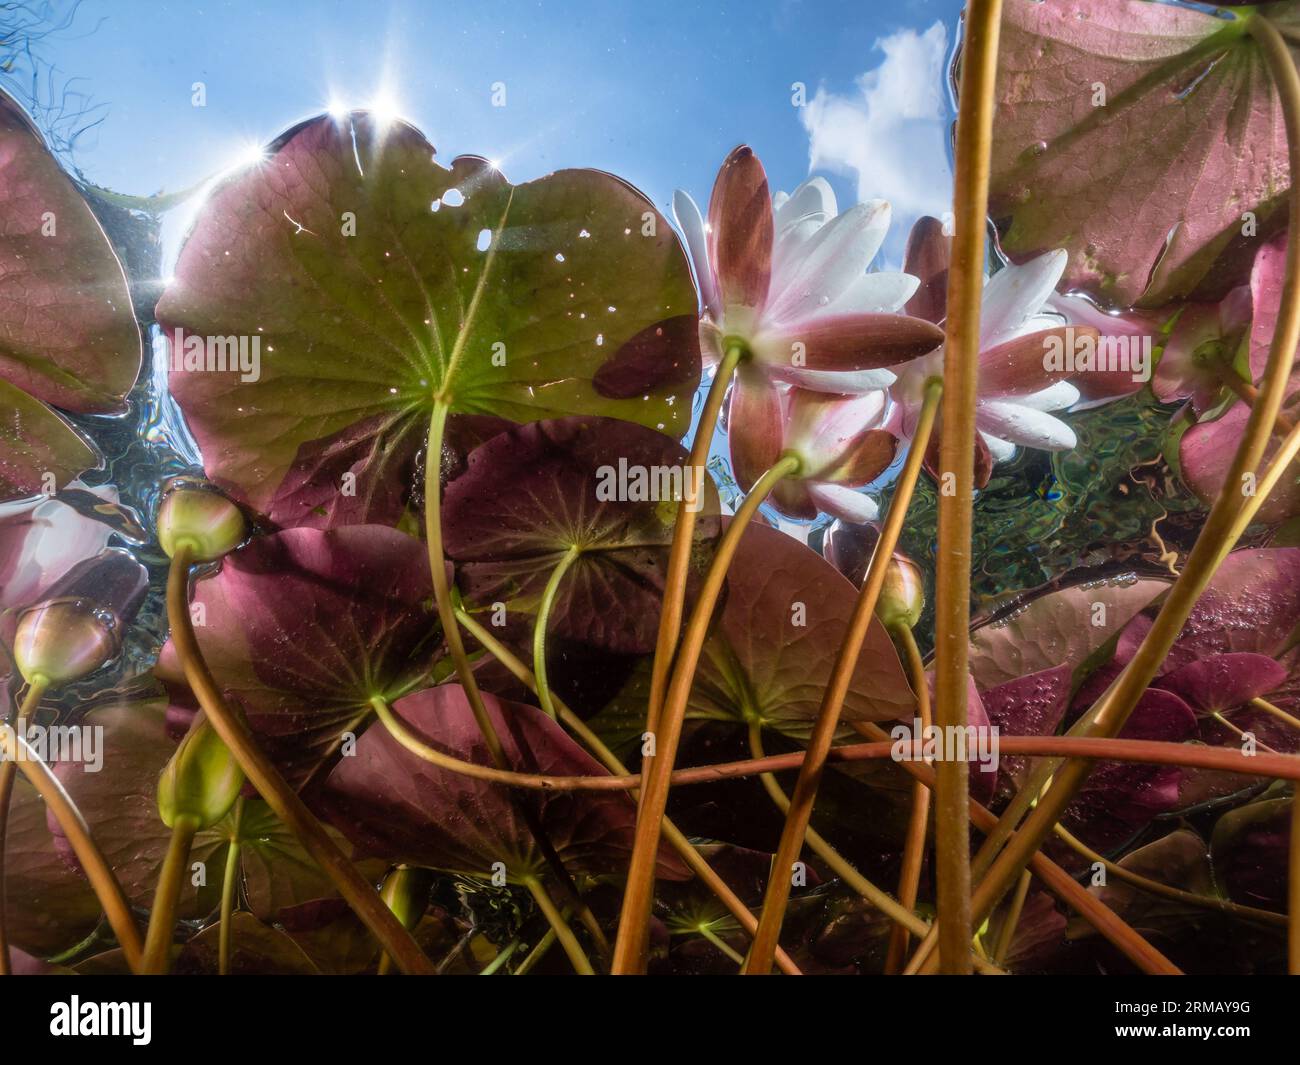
(679,554)
(229,883)
(36,690)
(167,892)
(973,149)
(631,944)
(577,956)
(283,800)
(827,721)
(539,628)
(103,882)
(675,837)
(1224,523)
(909,876)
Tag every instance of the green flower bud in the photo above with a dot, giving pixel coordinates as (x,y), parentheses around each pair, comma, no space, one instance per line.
(202,780)
(902,596)
(195,513)
(406,892)
(78,627)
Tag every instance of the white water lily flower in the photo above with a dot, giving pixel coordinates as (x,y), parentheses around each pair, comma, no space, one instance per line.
(1018,389)
(787,280)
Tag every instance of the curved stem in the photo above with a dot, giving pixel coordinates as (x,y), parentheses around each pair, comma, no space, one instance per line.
(675,837)
(721,944)
(631,944)
(162,918)
(359,893)
(1112,710)
(909,876)
(539,628)
(835,861)
(1056,879)
(228,885)
(538,952)
(1007,934)
(503,956)
(14,748)
(827,721)
(1276,711)
(36,690)
(465,671)
(974,141)
(577,956)
(679,554)
(1168,891)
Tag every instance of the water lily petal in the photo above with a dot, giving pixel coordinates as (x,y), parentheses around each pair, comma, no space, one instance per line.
(842,382)
(881,292)
(814,196)
(929,250)
(838,255)
(741,230)
(848,342)
(844,503)
(1015,293)
(691,222)
(1001,450)
(754,426)
(1023,425)
(1030,363)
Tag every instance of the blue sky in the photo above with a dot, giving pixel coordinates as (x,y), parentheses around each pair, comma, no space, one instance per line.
(656,92)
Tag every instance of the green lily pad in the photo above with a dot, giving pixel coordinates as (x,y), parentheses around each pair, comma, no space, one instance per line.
(372,280)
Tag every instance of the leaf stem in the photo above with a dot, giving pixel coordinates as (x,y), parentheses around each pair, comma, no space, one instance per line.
(1007,934)
(827,721)
(539,628)
(974,140)
(632,942)
(1168,891)
(1109,714)
(721,944)
(167,892)
(675,837)
(100,874)
(909,876)
(36,690)
(679,554)
(577,956)
(283,800)
(465,671)
(229,884)
(1293,887)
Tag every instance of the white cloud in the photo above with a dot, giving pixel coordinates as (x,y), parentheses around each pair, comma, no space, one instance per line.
(892,134)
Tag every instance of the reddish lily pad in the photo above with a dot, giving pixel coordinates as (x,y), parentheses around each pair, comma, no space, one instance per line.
(1146,192)
(68,334)
(304,627)
(772,651)
(532,493)
(376,280)
(1061,628)
(393,804)
(1249,849)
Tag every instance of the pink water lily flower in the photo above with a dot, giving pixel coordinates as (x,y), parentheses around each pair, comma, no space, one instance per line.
(839,440)
(1018,388)
(786,279)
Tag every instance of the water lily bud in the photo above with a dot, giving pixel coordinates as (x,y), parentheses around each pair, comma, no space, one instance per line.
(78,627)
(194,512)
(406,892)
(202,780)
(902,596)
